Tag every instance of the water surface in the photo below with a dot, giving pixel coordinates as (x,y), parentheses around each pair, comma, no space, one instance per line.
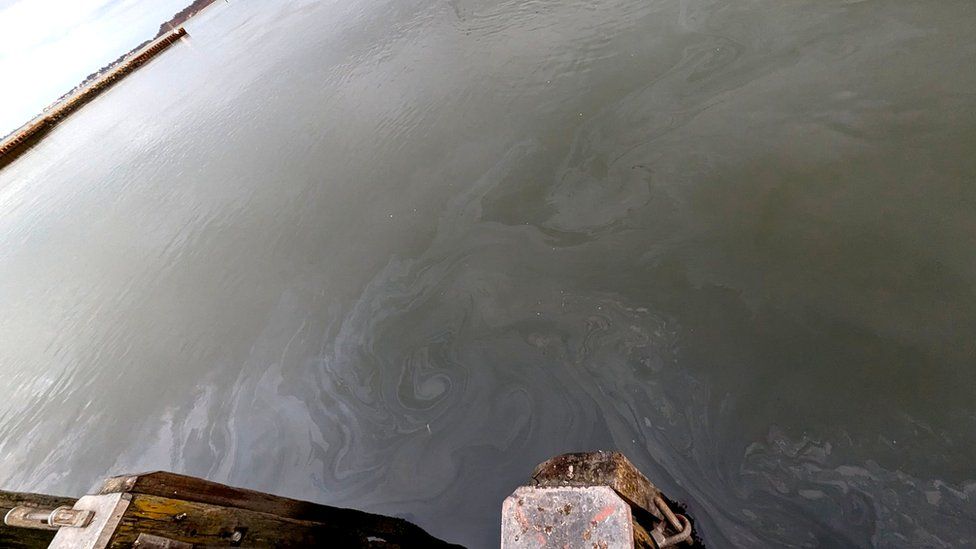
(392,254)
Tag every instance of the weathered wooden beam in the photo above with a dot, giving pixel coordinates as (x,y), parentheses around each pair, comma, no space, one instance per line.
(183,487)
(321,520)
(170,510)
(21,538)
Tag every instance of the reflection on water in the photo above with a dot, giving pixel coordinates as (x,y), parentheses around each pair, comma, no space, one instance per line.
(392,255)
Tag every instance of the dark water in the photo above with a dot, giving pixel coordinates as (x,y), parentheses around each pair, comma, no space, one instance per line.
(392,254)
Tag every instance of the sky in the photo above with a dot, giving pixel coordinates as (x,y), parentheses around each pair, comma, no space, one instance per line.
(47,47)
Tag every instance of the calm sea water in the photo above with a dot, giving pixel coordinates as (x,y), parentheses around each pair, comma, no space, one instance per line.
(392,254)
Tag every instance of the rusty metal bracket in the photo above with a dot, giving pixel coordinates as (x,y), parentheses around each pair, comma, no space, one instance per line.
(679,523)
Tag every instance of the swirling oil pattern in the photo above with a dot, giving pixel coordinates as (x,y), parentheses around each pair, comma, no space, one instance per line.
(392,254)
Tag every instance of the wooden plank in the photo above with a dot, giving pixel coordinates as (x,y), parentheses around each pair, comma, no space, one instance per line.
(203,524)
(22,538)
(160,497)
(172,485)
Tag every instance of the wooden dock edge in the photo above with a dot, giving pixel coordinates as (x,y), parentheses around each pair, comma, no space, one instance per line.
(162,509)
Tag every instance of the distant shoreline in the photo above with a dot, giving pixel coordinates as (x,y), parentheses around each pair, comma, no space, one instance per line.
(166,27)
(173,23)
